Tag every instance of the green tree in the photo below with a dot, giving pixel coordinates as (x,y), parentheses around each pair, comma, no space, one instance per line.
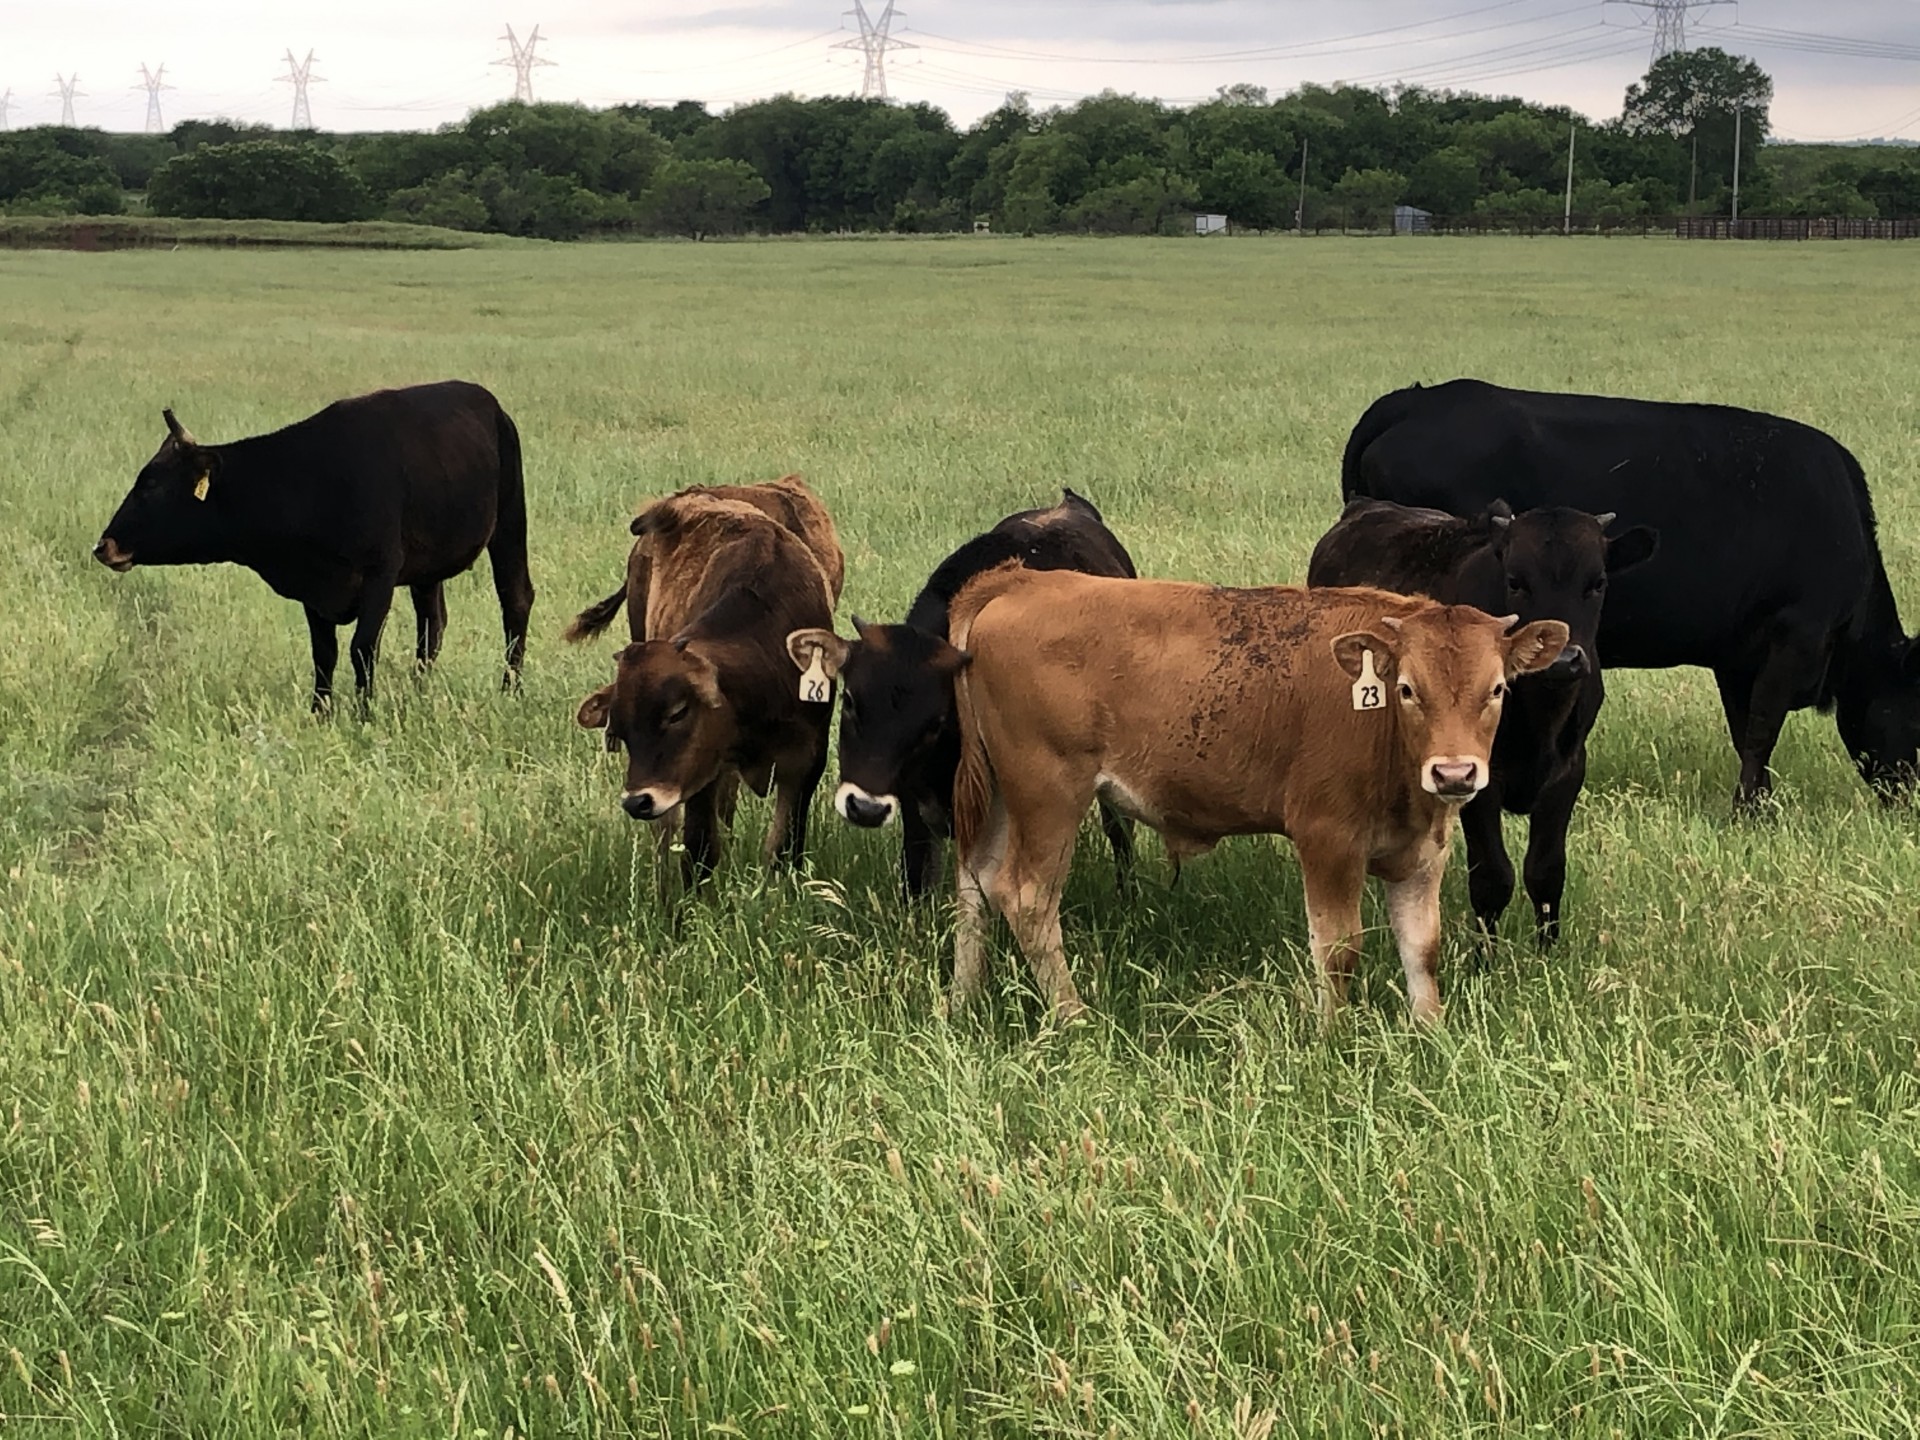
(1446,182)
(259,180)
(698,198)
(1369,196)
(1693,95)
(1248,188)
(449,201)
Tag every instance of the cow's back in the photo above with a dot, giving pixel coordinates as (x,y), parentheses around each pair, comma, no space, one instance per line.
(791,503)
(700,547)
(1757,514)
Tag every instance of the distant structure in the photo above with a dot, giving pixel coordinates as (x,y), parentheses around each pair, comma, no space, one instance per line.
(874,41)
(1669,20)
(69,89)
(6,104)
(522,59)
(153,82)
(1209,224)
(300,75)
(1412,220)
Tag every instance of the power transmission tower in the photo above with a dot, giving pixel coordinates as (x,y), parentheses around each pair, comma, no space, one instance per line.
(874,41)
(1669,20)
(153,82)
(522,59)
(300,75)
(69,90)
(6,104)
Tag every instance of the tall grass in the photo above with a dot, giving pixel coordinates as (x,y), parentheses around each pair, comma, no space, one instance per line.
(355,1080)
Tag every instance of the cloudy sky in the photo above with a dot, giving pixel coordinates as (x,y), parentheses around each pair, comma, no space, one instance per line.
(1842,69)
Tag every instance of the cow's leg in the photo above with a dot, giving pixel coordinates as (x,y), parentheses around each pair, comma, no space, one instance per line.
(1489,870)
(1790,672)
(1546,864)
(1736,692)
(1044,805)
(429,622)
(701,836)
(1119,831)
(975,869)
(325,637)
(792,804)
(507,555)
(1413,909)
(919,851)
(1332,876)
(376,599)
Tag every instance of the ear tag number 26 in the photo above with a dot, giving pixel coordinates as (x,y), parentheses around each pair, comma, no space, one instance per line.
(815,688)
(1368,692)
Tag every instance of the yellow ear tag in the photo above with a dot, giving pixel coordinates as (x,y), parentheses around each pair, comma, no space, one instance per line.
(200,487)
(1368,692)
(815,688)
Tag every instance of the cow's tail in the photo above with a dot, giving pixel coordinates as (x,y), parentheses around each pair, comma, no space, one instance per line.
(1380,417)
(507,548)
(973,783)
(596,617)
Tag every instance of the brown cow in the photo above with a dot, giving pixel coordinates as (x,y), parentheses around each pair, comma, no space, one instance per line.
(1206,712)
(788,501)
(707,696)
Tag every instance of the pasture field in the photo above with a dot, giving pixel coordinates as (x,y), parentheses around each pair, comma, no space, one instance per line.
(354,1080)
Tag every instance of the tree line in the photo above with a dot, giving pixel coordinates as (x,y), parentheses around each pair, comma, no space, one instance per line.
(1109,164)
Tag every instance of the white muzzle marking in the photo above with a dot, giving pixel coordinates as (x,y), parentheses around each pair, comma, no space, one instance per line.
(850,796)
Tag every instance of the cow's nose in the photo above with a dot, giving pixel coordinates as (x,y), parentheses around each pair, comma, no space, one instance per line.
(1455,777)
(100,550)
(1571,664)
(639,805)
(865,810)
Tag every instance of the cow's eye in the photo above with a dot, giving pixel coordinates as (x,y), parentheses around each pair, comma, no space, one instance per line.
(1517,585)
(1406,692)
(678,713)
(1596,587)
(1499,689)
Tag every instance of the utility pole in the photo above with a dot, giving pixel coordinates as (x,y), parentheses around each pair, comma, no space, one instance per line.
(874,41)
(153,82)
(6,104)
(1738,112)
(1300,211)
(523,61)
(1566,222)
(1669,20)
(69,90)
(300,75)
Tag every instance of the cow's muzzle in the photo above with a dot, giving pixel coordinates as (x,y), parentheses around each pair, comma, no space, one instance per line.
(649,804)
(1572,663)
(109,554)
(1454,777)
(859,808)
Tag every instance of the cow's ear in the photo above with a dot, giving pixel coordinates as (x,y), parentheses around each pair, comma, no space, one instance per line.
(1351,650)
(803,645)
(1635,547)
(1534,647)
(949,661)
(705,677)
(595,709)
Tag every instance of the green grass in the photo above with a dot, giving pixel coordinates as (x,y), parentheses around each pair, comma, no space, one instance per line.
(354,1081)
(133,232)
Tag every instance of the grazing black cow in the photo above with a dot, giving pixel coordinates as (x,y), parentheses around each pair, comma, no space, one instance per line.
(899,733)
(1769,572)
(1544,564)
(400,487)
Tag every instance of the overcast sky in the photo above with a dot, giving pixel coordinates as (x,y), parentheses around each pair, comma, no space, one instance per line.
(389,64)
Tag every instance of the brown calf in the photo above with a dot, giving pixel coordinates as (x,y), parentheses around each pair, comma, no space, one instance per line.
(1354,722)
(710,698)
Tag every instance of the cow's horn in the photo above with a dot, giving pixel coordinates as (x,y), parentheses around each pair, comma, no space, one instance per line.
(1501,520)
(180,433)
(1607,517)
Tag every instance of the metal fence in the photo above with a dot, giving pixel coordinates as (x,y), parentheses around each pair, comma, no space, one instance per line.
(1793,227)
(1682,227)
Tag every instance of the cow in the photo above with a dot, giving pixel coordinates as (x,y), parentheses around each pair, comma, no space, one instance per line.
(1549,563)
(398,487)
(1206,712)
(1769,572)
(788,501)
(899,736)
(702,697)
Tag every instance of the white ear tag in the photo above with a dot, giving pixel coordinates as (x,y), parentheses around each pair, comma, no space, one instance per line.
(815,688)
(200,487)
(1368,692)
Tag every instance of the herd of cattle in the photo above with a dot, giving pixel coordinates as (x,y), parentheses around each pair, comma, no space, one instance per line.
(1444,658)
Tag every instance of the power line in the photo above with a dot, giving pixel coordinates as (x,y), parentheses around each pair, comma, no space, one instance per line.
(300,75)
(1669,20)
(874,41)
(153,82)
(523,61)
(68,92)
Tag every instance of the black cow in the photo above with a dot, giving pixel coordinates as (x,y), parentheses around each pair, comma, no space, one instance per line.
(400,487)
(1769,572)
(899,732)
(1543,564)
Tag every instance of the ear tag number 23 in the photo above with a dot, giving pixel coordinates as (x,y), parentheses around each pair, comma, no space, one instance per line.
(1368,692)
(815,688)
